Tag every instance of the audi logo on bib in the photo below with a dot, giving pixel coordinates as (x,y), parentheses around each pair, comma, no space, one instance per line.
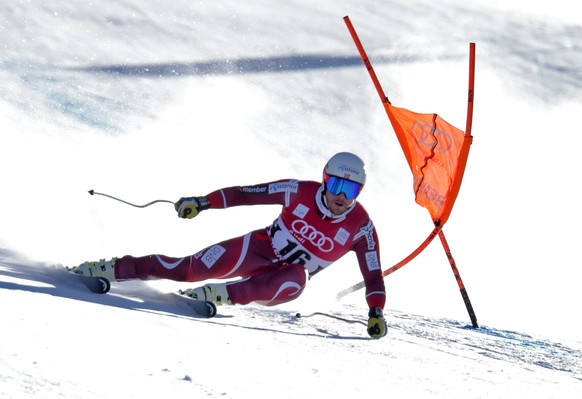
(308,232)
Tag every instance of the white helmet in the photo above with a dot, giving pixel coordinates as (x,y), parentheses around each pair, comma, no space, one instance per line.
(344,172)
(347,166)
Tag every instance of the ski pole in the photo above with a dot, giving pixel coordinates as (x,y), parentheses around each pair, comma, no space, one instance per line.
(93,192)
(299,316)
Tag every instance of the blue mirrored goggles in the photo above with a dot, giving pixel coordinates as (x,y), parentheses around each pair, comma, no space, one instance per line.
(337,185)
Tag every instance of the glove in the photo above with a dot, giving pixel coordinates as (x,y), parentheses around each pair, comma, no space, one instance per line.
(377,327)
(189,207)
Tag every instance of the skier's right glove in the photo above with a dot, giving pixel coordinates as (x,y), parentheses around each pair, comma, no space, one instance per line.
(377,327)
(189,207)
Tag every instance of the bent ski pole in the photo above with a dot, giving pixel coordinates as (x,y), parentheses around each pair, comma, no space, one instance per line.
(93,192)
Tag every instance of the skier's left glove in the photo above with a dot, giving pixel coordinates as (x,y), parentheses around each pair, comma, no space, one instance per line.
(377,327)
(189,207)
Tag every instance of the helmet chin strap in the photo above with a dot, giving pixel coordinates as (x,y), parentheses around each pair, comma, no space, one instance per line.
(324,199)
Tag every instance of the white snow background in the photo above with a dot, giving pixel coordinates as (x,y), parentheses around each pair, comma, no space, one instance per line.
(149,100)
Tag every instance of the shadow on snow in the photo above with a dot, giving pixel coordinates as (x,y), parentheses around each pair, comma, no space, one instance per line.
(290,63)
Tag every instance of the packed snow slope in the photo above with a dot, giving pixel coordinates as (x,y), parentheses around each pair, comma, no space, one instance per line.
(146,100)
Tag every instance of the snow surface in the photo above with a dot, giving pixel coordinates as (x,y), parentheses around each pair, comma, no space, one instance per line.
(148,100)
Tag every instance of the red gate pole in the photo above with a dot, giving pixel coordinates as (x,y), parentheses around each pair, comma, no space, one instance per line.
(462,288)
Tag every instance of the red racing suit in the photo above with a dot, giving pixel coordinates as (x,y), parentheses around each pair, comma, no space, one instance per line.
(275,262)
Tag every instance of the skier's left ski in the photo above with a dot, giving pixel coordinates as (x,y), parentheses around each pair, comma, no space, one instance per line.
(98,285)
(201,307)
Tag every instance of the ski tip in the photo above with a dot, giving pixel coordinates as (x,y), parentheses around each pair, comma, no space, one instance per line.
(97,285)
(201,307)
(105,285)
(211,309)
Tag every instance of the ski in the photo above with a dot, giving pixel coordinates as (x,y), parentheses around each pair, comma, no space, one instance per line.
(201,307)
(98,285)
(101,285)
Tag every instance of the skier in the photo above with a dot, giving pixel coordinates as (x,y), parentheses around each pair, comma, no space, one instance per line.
(319,223)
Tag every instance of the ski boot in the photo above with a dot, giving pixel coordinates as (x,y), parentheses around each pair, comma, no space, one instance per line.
(102,268)
(215,293)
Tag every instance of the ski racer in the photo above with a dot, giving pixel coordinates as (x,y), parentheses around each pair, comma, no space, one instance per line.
(319,223)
